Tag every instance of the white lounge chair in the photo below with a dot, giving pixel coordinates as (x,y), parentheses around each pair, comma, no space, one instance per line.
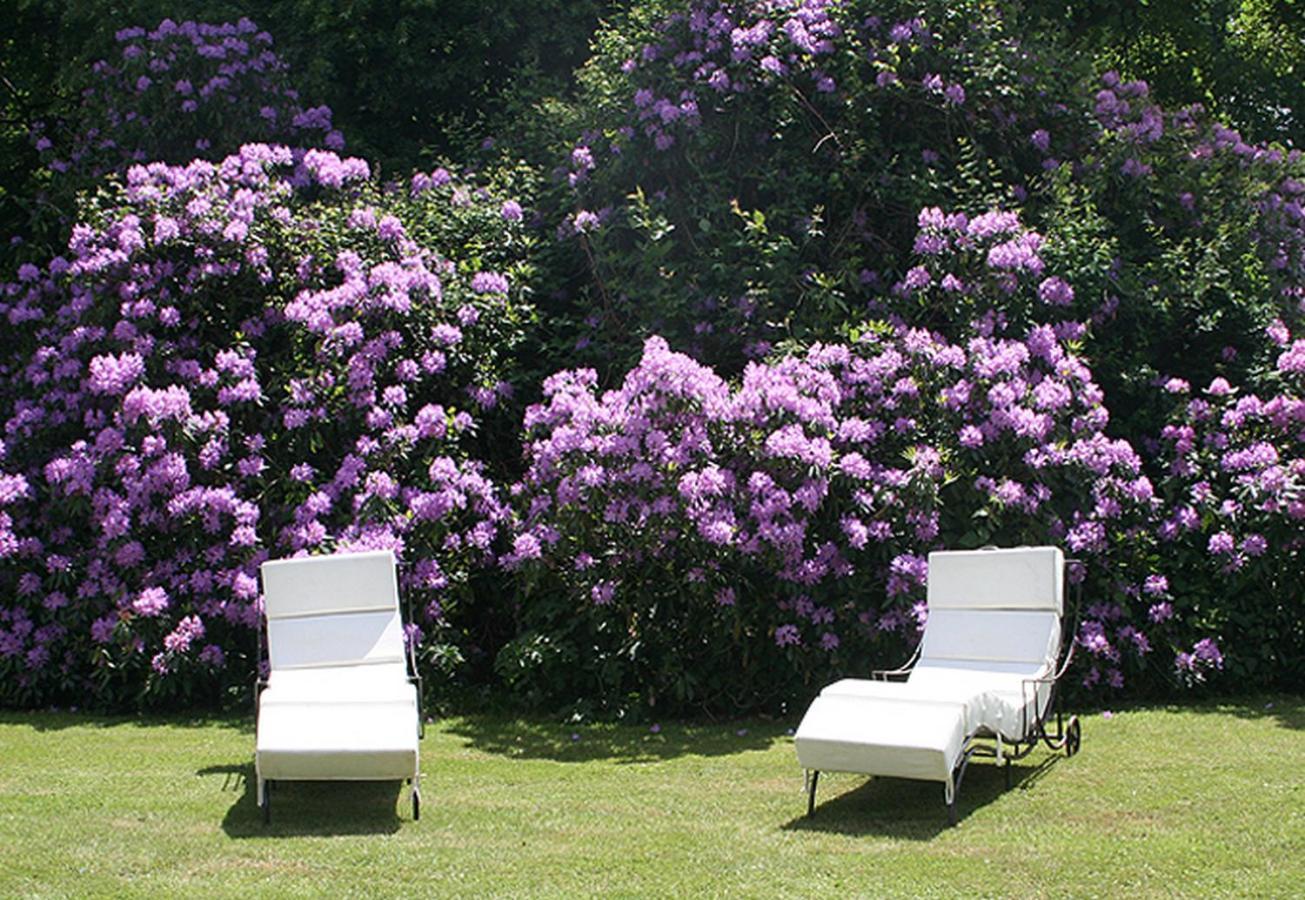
(982,682)
(342,700)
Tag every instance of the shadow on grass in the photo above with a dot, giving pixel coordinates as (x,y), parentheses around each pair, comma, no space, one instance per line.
(299,808)
(913,810)
(524,738)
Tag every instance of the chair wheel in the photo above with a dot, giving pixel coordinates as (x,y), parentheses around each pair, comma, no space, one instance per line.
(1073,736)
(416,806)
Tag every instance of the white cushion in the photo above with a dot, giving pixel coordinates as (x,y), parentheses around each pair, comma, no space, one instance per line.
(313,585)
(903,737)
(998,702)
(336,639)
(1019,578)
(382,683)
(341,741)
(989,635)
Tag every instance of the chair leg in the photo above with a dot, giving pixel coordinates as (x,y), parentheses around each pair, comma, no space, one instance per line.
(811,793)
(415,781)
(265,801)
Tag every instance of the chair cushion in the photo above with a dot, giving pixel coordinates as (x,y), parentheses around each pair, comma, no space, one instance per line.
(380,683)
(337,741)
(903,737)
(988,635)
(994,702)
(1019,578)
(317,585)
(998,702)
(337,639)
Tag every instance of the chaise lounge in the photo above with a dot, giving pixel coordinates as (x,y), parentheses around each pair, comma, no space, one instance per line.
(342,700)
(982,682)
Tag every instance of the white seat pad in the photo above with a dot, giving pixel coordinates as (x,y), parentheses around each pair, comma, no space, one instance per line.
(380,683)
(330,741)
(904,736)
(997,701)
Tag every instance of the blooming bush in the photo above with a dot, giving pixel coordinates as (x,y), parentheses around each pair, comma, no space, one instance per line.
(746,174)
(928,285)
(751,171)
(173,93)
(724,545)
(254,357)
(1236,506)
(747,180)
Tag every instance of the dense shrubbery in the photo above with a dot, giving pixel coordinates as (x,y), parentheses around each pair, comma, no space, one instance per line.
(725,545)
(408,82)
(172,94)
(856,281)
(1235,484)
(752,174)
(749,181)
(239,359)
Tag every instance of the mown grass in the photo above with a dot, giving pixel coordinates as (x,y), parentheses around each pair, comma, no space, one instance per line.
(1198,801)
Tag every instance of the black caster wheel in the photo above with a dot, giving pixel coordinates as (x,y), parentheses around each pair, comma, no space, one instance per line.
(416,806)
(1073,736)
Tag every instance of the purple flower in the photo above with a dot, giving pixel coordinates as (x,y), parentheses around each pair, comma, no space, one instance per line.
(151,601)
(489,283)
(115,374)
(1221,543)
(787,636)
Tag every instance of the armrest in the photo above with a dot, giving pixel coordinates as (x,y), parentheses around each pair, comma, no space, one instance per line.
(900,672)
(415,681)
(260,685)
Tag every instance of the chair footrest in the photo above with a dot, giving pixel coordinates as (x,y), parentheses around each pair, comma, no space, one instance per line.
(344,741)
(900,736)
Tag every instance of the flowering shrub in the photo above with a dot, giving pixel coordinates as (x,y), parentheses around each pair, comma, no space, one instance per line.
(931,287)
(725,544)
(748,173)
(1235,512)
(173,93)
(1184,241)
(753,170)
(747,180)
(236,359)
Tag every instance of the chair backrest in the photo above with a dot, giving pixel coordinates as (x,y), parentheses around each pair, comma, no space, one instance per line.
(332,610)
(995,609)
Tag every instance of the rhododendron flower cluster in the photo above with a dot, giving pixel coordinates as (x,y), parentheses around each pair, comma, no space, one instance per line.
(267,355)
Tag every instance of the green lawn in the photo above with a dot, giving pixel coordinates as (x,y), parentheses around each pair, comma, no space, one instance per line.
(1196,801)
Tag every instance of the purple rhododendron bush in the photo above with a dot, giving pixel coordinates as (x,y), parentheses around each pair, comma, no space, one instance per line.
(757,182)
(172,93)
(825,286)
(733,544)
(267,355)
